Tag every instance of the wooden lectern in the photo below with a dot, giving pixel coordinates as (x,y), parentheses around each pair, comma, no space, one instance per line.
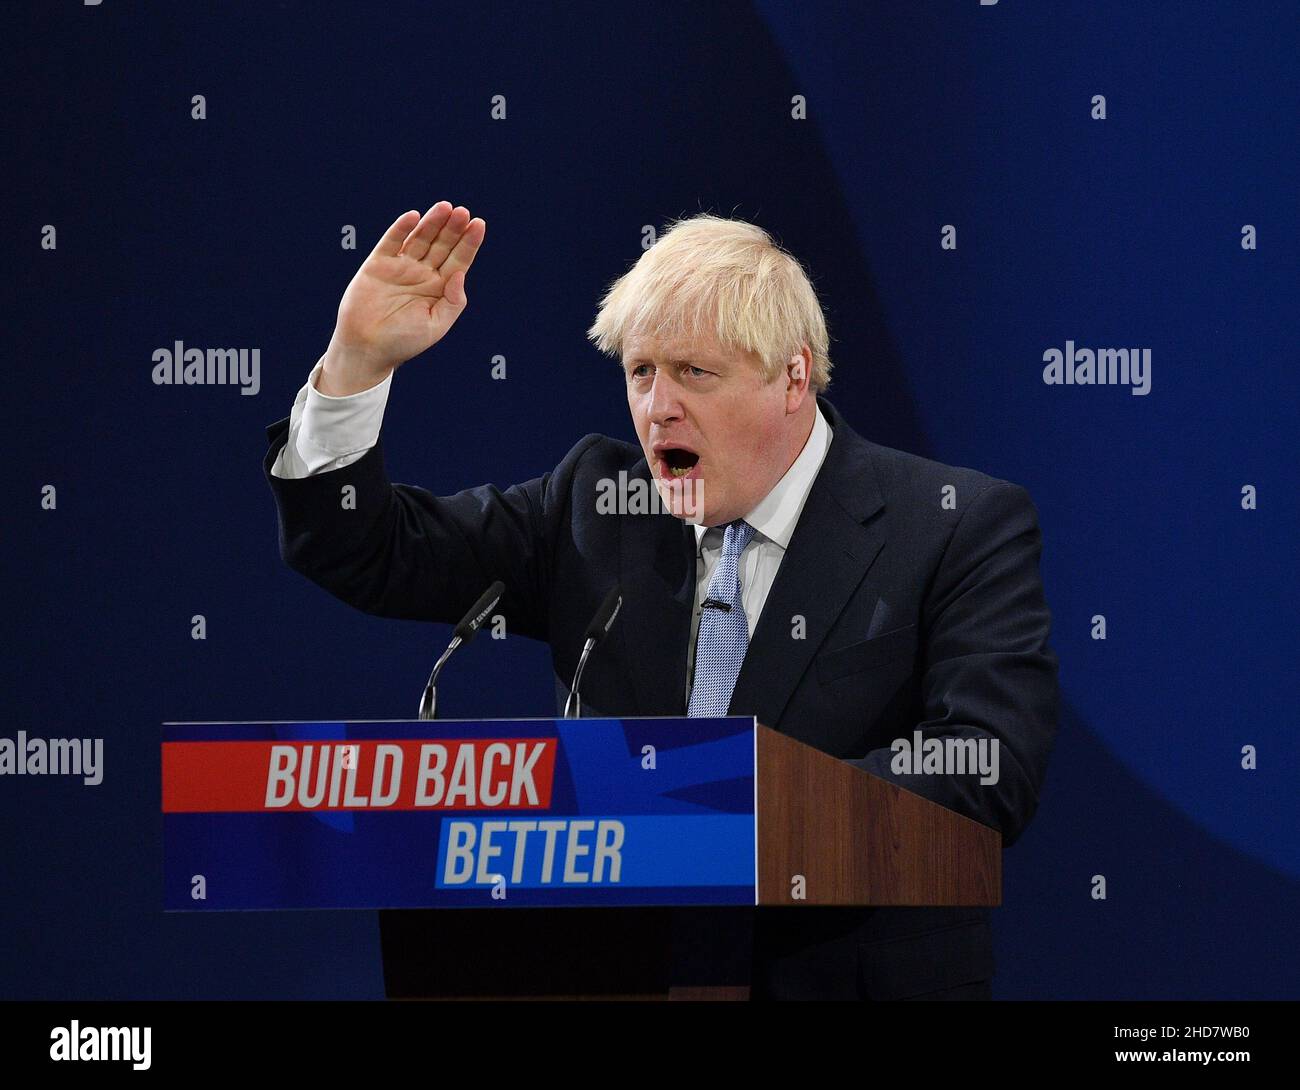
(852,838)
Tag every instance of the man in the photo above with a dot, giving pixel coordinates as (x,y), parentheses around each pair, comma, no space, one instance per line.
(847,594)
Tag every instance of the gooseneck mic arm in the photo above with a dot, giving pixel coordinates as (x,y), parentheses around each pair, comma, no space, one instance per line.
(596,631)
(462,634)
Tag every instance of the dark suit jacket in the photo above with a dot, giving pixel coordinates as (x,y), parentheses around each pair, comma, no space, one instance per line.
(917,614)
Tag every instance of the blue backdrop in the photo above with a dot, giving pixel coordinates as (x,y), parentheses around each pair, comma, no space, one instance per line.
(1126,231)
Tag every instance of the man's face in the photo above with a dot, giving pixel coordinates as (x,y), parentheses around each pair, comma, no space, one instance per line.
(713,432)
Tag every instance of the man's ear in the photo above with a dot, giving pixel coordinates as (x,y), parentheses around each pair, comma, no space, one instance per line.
(798,374)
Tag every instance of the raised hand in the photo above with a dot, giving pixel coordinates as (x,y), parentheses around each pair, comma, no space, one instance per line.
(403,299)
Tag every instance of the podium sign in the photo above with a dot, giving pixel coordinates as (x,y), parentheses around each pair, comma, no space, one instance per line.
(458,813)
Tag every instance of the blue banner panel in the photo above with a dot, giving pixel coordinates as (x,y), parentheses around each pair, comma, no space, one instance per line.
(458,813)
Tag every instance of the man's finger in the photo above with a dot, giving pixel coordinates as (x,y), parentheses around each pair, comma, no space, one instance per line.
(391,243)
(453,295)
(447,237)
(421,238)
(463,253)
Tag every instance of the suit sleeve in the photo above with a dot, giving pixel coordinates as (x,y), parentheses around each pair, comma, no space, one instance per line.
(396,550)
(988,672)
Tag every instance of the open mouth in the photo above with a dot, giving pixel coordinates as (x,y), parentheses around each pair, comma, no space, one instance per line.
(677,462)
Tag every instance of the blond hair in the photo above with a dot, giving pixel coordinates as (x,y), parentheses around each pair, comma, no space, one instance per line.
(726,276)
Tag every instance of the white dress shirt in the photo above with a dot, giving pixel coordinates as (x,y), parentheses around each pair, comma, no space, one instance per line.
(328,433)
(774,519)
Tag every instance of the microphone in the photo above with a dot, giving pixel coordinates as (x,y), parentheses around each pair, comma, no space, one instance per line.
(463,633)
(713,603)
(600,625)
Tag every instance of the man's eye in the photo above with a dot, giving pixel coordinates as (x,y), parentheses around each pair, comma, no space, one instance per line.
(697,371)
(638,367)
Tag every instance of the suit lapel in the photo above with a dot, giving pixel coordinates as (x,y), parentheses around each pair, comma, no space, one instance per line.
(833,546)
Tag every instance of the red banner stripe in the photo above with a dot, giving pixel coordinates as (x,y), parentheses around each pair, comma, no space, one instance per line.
(378,774)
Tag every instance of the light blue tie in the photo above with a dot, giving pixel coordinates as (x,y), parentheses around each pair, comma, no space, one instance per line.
(724,633)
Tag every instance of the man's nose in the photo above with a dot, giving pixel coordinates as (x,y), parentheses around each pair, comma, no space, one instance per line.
(665,404)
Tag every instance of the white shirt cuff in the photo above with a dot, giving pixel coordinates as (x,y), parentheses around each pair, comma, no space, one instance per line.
(326,432)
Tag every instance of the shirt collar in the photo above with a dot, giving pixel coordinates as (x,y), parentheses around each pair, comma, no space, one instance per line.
(777,513)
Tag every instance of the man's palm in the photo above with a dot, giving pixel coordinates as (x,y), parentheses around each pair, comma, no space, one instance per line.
(411,289)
